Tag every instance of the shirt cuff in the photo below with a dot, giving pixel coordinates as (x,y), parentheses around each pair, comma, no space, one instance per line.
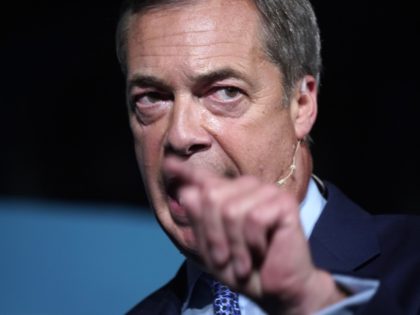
(361,290)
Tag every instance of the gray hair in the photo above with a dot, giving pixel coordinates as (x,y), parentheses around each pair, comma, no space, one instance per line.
(290,34)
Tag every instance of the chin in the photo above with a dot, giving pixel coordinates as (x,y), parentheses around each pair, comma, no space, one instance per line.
(189,250)
(186,241)
(182,237)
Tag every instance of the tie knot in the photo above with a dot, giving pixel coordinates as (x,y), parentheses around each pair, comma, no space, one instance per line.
(225,301)
(219,289)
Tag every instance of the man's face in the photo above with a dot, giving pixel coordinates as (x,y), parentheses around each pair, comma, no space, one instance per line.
(202,89)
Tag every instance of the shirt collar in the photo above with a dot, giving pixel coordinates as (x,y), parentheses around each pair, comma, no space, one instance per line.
(311,208)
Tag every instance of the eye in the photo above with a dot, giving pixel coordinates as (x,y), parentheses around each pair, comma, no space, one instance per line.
(149,106)
(226,94)
(150,99)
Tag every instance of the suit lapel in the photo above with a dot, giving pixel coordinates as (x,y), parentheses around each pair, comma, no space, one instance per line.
(167,300)
(176,293)
(344,237)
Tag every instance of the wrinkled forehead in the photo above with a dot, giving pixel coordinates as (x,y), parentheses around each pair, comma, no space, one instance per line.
(203,23)
(202,14)
(199,32)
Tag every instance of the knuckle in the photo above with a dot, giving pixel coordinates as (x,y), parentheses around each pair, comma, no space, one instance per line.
(254,220)
(210,195)
(229,214)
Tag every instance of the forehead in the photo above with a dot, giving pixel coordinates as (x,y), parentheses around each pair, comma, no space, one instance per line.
(197,35)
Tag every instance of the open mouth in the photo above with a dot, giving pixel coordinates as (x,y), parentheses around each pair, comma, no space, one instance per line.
(172,187)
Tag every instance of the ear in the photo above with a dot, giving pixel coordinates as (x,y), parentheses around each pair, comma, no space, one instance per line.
(304,106)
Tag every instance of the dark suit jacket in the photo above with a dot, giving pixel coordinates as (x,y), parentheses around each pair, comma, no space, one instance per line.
(346,240)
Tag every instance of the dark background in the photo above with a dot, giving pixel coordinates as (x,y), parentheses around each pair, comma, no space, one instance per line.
(63,125)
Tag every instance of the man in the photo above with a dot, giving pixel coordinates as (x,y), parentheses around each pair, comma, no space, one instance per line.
(222,98)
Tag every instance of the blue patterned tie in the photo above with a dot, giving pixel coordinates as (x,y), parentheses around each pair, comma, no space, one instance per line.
(225,301)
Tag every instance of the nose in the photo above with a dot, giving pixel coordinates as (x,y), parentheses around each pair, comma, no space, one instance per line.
(186,133)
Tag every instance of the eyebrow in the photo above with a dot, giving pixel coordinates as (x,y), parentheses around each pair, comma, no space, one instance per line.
(147,81)
(204,79)
(218,75)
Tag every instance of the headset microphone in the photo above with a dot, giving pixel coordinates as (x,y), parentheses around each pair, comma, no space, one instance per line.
(292,167)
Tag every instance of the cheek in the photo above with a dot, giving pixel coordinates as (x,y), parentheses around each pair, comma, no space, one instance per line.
(147,150)
(258,145)
(148,147)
